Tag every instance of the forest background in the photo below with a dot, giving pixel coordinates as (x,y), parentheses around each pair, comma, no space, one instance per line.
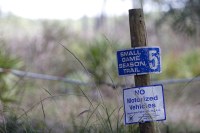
(84,50)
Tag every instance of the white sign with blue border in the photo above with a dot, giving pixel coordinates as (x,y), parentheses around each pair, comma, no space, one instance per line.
(144,104)
(140,60)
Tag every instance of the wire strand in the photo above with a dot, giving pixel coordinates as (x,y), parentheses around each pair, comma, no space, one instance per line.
(27,74)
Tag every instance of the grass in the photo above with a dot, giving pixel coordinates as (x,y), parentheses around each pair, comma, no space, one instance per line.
(54,107)
(99,108)
(86,111)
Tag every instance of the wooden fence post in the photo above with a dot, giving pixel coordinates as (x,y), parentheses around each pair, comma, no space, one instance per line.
(138,39)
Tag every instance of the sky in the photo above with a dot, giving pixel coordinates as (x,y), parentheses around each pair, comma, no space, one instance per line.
(64,9)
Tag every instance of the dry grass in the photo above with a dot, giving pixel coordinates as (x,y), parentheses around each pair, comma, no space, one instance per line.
(61,112)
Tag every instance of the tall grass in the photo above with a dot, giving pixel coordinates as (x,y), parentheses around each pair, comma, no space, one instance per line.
(97,109)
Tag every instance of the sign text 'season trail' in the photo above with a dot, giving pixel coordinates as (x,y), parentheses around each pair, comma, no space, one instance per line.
(144,104)
(137,61)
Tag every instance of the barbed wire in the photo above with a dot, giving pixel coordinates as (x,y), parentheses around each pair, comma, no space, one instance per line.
(27,74)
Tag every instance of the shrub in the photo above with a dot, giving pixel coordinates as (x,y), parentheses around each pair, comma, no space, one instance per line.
(181,66)
(100,60)
(7,85)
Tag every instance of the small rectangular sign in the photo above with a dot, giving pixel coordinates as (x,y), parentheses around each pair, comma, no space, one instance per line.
(144,104)
(137,61)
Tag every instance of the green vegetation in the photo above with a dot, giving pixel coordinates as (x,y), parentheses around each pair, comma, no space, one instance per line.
(99,59)
(181,66)
(52,106)
(8,90)
(185,19)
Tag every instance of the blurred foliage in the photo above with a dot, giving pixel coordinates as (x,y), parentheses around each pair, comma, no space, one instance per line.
(105,124)
(47,42)
(36,42)
(184,16)
(100,59)
(8,90)
(181,66)
(181,127)
(13,125)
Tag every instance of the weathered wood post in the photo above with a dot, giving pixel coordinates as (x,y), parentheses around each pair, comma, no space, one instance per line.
(138,39)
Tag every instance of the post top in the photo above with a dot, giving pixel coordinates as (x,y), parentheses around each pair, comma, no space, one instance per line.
(135,9)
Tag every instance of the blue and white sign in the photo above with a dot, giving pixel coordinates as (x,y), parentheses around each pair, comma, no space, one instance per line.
(144,104)
(137,61)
